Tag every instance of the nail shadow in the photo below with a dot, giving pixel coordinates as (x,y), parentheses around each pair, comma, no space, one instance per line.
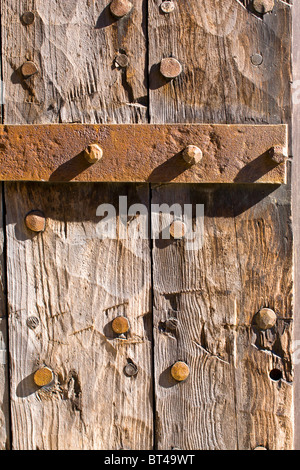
(26,387)
(254,170)
(156,79)
(166,380)
(70,169)
(169,170)
(105,19)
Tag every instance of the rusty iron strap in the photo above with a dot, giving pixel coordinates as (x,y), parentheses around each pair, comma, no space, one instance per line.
(144,153)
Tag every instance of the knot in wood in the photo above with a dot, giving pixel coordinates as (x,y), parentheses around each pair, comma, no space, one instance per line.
(43,377)
(93,153)
(263,6)
(170,68)
(265,319)
(120,325)
(120,8)
(35,221)
(192,155)
(180,371)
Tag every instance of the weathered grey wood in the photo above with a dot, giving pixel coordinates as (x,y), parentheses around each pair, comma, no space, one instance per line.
(4,386)
(214,41)
(296,206)
(73,283)
(74,45)
(229,400)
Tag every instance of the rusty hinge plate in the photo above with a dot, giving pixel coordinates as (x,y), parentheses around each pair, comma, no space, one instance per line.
(144,153)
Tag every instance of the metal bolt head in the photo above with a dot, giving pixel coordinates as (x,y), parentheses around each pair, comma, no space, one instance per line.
(167,7)
(120,8)
(263,6)
(192,155)
(265,319)
(170,67)
(131,370)
(180,371)
(28,18)
(29,69)
(256,59)
(120,325)
(122,60)
(278,154)
(43,377)
(93,153)
(35,221)
(177,230)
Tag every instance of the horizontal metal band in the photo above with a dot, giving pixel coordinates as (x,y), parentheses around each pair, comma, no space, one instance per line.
(144,153)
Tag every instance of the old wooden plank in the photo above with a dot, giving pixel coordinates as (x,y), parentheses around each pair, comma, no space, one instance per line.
(141,153)
(229,400)
(220,83)
(66,285)
(4,385)
(74,46)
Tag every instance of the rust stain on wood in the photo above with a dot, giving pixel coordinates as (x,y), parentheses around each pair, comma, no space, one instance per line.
(142,153)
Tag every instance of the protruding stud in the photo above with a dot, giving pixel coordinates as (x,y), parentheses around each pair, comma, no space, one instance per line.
(256,59)
(278,154)
(170,68)
(29,69)
(263,6)
(265,319)
(120,8)
(120,325)
(122,61)
(28,18)
(192,155)
(180,371)
(43,377)
(35,221)
(177,230)
(93,153)
(167,7)
(131,369)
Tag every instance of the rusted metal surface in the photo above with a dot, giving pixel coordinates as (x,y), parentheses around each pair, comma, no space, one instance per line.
(142,153)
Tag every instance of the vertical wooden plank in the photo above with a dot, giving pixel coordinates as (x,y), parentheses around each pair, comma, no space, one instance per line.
(4,386)
(296,205)
(66,285)
(229,401)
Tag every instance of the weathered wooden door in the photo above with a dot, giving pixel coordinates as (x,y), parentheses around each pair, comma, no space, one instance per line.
(63,287)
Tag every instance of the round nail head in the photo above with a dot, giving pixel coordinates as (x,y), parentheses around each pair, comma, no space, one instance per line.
(120,8)
(43,377)
(131,370)
(120,325)
(180,371)
(32,322)
(256,59)
(177,230)
(260,448)
(35,221)
(28,18)
(122,60)
(192,155)
(265,319)
(93,153)
(263,6)
(29,69)
(167,7)
(278,154)
(170,68)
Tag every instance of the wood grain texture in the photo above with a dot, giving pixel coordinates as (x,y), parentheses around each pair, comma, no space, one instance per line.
(65,286)
(229,401)
(74,45)
(214,41)
(4,385)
